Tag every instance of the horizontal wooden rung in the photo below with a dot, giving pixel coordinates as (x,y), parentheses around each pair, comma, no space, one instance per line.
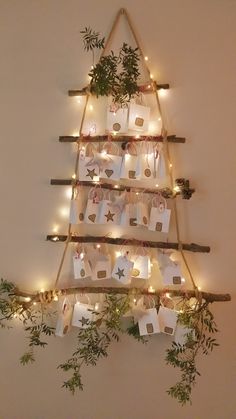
(183,190)
(192,247)
(144,88)
(119,138)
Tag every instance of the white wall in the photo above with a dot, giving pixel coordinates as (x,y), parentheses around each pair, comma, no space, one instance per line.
(191,45)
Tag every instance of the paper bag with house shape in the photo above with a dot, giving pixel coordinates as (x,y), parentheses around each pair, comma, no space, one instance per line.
(93,206)
(109,213)
(167,320)
(88,171)
(139,116)
(82,268)
(142,267)
(129,163)
(122,270)
(159,216)
(148,324)
(100,265)
(82,315)
(170,270)
(129,216)
(64,318)
(142,213)
(117,119)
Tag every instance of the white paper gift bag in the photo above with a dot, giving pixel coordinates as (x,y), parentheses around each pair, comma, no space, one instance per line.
(149,324)
(117,119)
(139,116)
(142,212)
(129,162)
(93,206)
(100,265)
(122,270)
(159,215)
(64,318)
(82,268)
(146,161)
(77,207)
(113,165)
(88,169)
(170,270)
(129,215)
(141,267)
(160,164)
(109,213)
(167,320)
(82,315)
(181,334)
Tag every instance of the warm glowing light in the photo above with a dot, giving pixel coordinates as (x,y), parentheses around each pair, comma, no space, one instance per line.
(149,86)
(42,290)
(96,307)
(151,77)
(55,298)
(118,254)
(114,133)
(146,58)
(183,280)
(135,300)
(104,152)
(156,185)
(98,246)
(64,212)
(91,107)
(15,315)
(92,67)
(34,303)
(78,99)
(55,228)
(67,194)
(162,92)
(177,188)
(81,256)
(96,179)
(137,136)
(116,186)
(27,299)
(199,288)
(167,294)
(55,239)
(151,289)
(159,119)
(151,264)
(170,165)
(137,193)
(75,134)
(73,176)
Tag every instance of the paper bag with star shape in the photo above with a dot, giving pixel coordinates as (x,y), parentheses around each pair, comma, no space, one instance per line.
(87,171)
(82,315)
(109,214)
(122,270)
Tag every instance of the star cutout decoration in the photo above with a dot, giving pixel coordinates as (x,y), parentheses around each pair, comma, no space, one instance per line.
(91,173)
(120,273)
(84,321)
(109,216)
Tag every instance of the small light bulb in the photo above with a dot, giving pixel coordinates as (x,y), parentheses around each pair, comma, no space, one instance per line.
(137,136)
(55,239)
(156,185)
(114,133)
(55,298)
(81,256)
(183,280)
(137,193)
(149,86)
(151,264)
(42,290)
(34,303)
(92,67)
(146,58)
(151,289)
(159,119)
(55,228)
(64,212)
(75,134)
(98,246)
(73,176)
(27,299)
(104,152)
(15,315)
(162,92)
(177,188)
(199,288)
(135,300)
(167,294)
(68,192)
(151,76)
(78,100)
(116,186)
(91,107)
(171,165)
(96,307)
(118,254)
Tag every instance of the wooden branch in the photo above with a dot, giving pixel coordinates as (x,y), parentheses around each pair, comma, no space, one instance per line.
(145,88)
(48,296)
(166,192)
(192,247)
(119,138)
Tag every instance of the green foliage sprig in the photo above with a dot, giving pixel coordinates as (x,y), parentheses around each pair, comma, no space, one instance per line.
(200,325)
(114,75)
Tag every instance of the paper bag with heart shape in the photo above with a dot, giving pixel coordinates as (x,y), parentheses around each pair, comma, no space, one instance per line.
(88,170)
(149,324)
(139,116)
(167,320)
(93,206)
(82,315)
(117,119)
(122,270)
(159,215)
(113,166)
(64,318)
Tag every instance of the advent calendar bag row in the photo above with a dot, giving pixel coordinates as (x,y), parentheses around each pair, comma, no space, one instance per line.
(103,207)
(137,162)
(97,265)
